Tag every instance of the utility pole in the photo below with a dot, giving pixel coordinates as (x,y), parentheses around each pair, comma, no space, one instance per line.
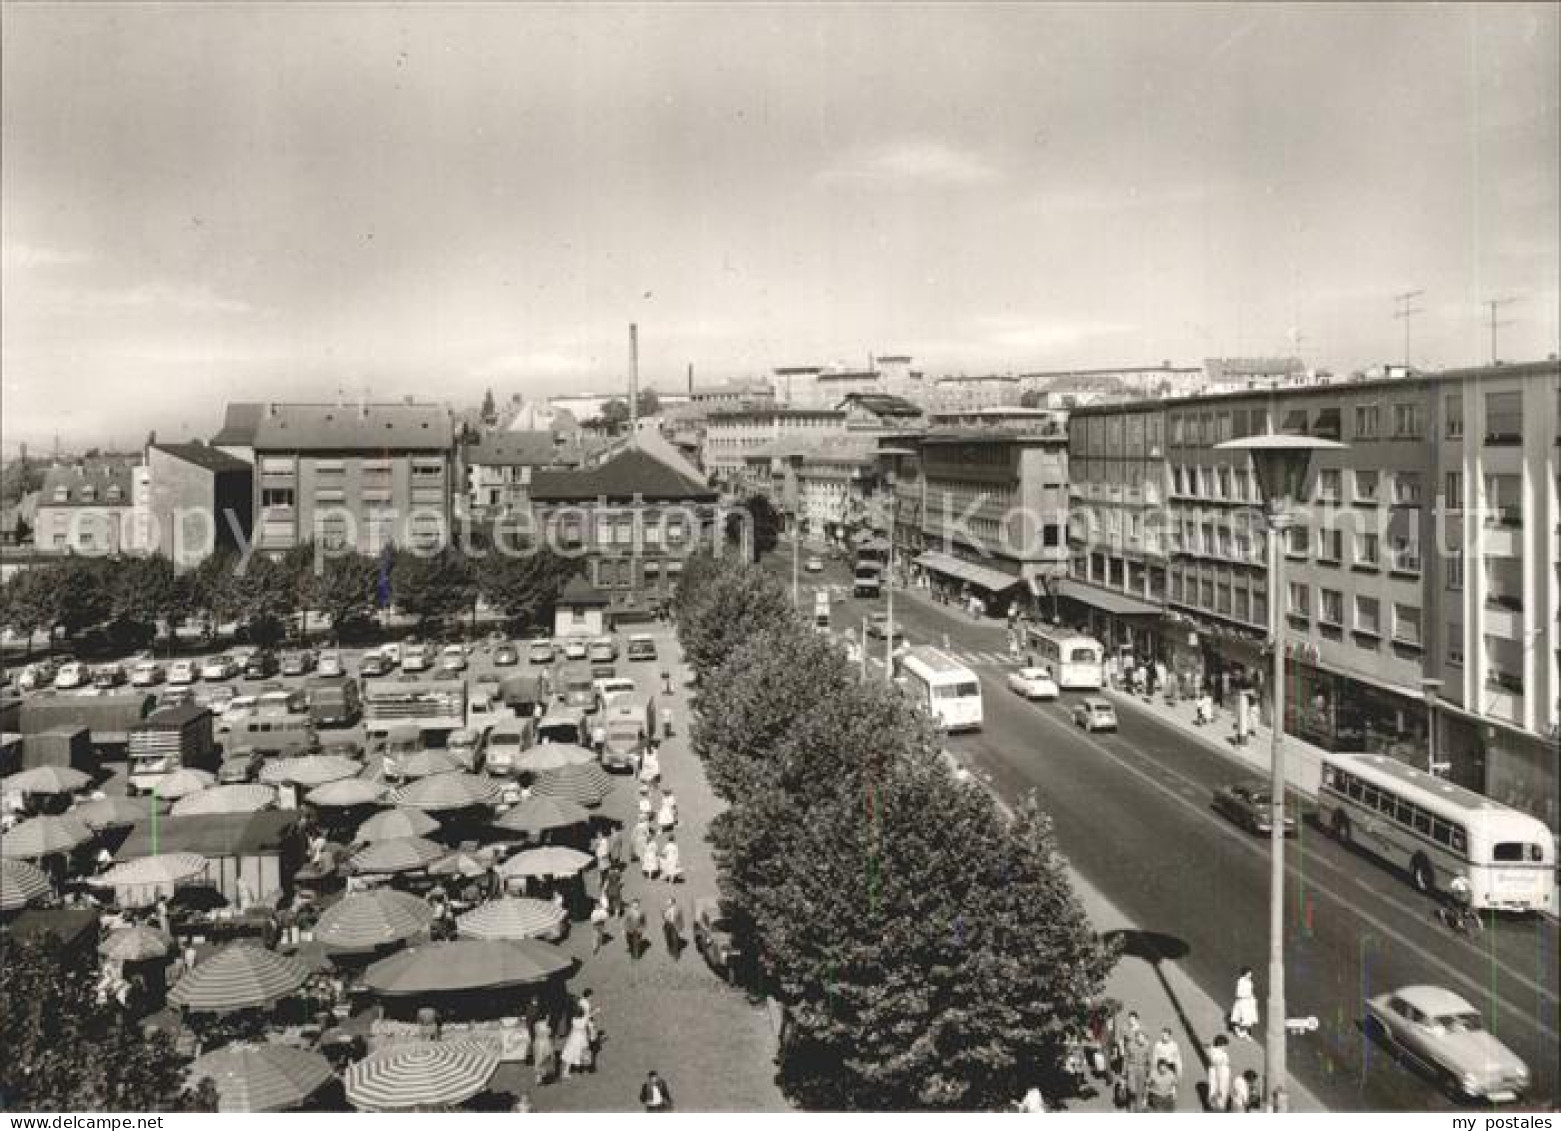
(1406,311)
(1496,304)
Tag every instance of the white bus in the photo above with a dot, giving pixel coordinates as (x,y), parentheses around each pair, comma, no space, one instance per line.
(949,691)
(1435,830)
(1076,662)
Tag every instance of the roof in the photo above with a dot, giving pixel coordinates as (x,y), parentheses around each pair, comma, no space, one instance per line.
(737,386)
(210,834)
(85,485)
(238,424)
(633,473)
(181,716)
(849,375)
(368,427)
(962,379)
(202,455)
(883,404)
(579,591)
(538,448)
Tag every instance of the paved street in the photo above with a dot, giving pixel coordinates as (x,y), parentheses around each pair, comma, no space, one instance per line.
(1132,814)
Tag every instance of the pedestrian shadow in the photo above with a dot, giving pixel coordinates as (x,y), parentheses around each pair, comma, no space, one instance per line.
(1156,948)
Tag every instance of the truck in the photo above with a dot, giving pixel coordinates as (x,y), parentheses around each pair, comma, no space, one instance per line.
(174,738)
(630,722)
(522,692)
(506,741)
(334,701)
(433,707)
(108,717)
(867,578)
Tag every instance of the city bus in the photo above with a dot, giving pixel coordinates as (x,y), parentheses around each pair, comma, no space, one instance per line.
(949,691)
(1435,830)
(1077,662)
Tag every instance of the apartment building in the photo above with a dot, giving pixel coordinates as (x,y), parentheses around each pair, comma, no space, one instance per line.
(198,499)
(86,508)
(497,467)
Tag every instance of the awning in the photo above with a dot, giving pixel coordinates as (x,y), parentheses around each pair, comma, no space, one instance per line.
(1118,603)
(985,577)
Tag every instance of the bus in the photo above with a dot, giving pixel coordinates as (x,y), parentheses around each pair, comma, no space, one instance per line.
(1076,662)
(949,690)
(1435,830)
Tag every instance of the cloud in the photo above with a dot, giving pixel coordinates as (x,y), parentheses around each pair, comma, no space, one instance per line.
(907,162)
(151,298)
(1013,333)
(20,256)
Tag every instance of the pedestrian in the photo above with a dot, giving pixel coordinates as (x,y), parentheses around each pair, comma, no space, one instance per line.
(1162,1087)
(639,842)
(671,861)
(634,928)
(672,927)
(586,1009)
(1254,1093)
(1218,1098)
(577,1047)
(1135,1071)
(655,1094)
(523,1104)
(1168,1050)
(650,768)
(598,739)
(612,891)
(603,853)
(650,863)
(1243,1013)
(544,1056)
(599,916)
(1240,1093)
(615,848)
(667,817)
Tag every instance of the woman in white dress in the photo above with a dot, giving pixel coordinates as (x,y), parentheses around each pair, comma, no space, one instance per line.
(668,817)
(1219,1074)
(1243,1014)
(577,1047)
(671,862)
(650,860)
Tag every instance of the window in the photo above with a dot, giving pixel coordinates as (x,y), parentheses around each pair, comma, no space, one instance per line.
(62,494)
(1330,607)
(1455,572)
(1295,422)
(1406,487)
(1403,554)
(1452,491)
(1452,413)
(276,497)
(1504,500)
(1406,625)
(1176,430)
(276,465)
(1455,649)
(329,495)
(1406,422)
(1300,600)
(1503,418)
(1238,424)
(1368,616)
(114,493)
(89,493)
(1368,421)
(1327,424)
(333,531)
(1328,485)
(1330,546)
(1206,592)
(1367,483)
(1296,542)
(330,466)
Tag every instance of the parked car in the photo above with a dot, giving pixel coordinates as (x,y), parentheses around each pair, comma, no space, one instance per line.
(541,652)
(1095,714)
(108,676)
(299,662)
(1033,683)
(814,565)
(1443,1033)
(72,675)
(330,664)
(574,649)
(176,697)
(218,698)
(602,650)
(147,673)
(506,655)
(236,709)
(878,627)
(452,657)
(392,653)
(641,647)
(259,664)
(220,668)
(1250,806)
(182,673)
(713,937)
(417,658)
(374,664)
(37,675)
(241,767)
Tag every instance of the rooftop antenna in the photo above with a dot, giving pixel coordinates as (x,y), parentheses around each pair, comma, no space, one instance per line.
(1496,304)
(1406,312)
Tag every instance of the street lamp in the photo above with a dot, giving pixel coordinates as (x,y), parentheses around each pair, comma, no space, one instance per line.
(889,456)
(1281,464)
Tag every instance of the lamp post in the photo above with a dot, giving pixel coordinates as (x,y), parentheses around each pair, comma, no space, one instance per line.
(889,455)
(1281,464)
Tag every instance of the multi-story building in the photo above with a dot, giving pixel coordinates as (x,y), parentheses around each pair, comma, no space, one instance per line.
(730,436)
(881,412)
(1230,374)
(348,475)
(824,489)
(1163,380)
(732,396)
(498,467)
(198,499)
(86,508)
(993,390)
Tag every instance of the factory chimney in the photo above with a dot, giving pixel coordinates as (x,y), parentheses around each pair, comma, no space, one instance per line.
(634,378)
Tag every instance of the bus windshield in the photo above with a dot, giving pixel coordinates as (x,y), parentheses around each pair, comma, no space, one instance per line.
(956,691)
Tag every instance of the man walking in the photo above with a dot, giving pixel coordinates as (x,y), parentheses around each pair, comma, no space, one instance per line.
(634,928)
(655,1094)
(672,927)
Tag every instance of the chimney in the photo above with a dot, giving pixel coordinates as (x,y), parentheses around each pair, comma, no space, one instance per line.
(634,378)
(272,409)
(691,380)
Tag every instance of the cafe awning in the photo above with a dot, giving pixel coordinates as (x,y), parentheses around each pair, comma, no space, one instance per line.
(983,577)
(1104,599)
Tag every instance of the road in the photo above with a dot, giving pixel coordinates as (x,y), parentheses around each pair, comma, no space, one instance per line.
(1132,814)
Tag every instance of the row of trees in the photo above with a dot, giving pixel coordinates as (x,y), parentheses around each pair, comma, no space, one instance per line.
(927,948)
(130,597)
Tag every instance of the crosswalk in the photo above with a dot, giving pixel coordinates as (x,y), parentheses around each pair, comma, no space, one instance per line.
(971,658)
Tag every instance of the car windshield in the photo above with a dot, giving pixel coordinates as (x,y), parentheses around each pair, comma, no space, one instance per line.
(1460,1022)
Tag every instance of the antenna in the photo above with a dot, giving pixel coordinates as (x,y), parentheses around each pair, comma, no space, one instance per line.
(1406,311)
(1496,304)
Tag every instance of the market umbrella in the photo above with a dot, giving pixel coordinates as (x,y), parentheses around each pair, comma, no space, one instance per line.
(369,919)
(511,919)
(182,783)
(46,779)
(345,793)
(394,824)
(554,756)
(310,770)
(239,976)
(546,862)
(405,854)
(264,1077)
(169,868)
(111,812)
(466,864)
(249,797)
(446,791)
(427,763)
(584,785)
(421,1074)
(539,813)
(42,835)
(20,884)
(466,964)
(135,944)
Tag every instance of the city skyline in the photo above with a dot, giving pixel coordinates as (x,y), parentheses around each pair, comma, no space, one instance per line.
(262,203)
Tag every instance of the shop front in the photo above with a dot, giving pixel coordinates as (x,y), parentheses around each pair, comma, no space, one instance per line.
(956,581)
(1129,628)
(1344,714)
(1508,765)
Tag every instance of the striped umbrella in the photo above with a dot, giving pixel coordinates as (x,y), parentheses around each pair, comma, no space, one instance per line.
(169,868)
(248,797)
(538,813)
(135,944)
(405,854)
(584,785)
(547,862)
(42,835)
(466,964)
(309,770)
(554,756)
(46,779)
(446,791)
(239,976)
(111,812)
(427,763)
(511,919)
(373,918)
(182,783)
(346,793)
(394,824)
(468,864)
(420,1075)
(20,884)
(262,1077)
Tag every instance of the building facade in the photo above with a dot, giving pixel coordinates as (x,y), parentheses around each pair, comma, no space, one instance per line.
(731,396)
(86,508)
(731,436)
(198,499)
(496,468)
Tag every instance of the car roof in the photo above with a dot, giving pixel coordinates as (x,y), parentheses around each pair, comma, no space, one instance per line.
(1035,673)
(1434,1000)
(1093,703)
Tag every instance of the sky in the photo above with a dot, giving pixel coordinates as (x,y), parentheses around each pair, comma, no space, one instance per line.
(266,202)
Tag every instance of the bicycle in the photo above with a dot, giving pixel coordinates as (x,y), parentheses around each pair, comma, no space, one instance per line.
(1464,920)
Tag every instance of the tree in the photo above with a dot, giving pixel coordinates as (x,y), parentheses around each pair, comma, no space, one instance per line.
(431,587)
(738,603)
(615,415)
(64,596)
(345,589)
(759,515)
(64,1051)
(522,586)
(650,402)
